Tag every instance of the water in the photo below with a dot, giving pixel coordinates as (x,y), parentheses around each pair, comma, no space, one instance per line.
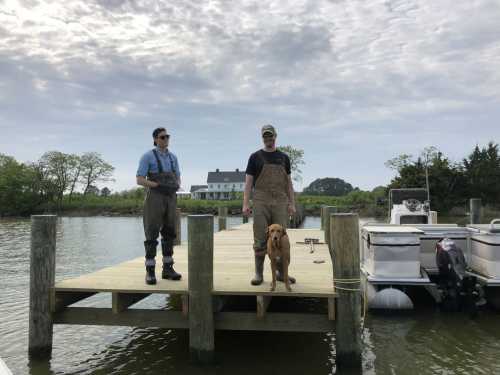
(421,342)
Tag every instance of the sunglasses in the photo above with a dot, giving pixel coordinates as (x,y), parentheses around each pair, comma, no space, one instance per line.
(163,137)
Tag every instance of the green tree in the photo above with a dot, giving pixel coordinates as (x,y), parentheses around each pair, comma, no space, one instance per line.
(445,177)
(18,192)
(296,160)
(328,186)
(58,170)
(482,173)
(94,170)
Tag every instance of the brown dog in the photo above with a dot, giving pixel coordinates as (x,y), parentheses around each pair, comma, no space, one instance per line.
(278,249)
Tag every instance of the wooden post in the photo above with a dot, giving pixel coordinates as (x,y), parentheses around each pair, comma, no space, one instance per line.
(222,223)
(42,278)
(344,239)
(223,211)
(475,211)
(222,218)
(328,210)
(178,218)
(434,217)
(322,215)
(200,275)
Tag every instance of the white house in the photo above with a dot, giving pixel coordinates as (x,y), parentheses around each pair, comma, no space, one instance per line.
(220,185)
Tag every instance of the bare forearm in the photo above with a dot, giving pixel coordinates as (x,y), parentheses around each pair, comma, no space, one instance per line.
(146,183)
(248,189)
(246,194)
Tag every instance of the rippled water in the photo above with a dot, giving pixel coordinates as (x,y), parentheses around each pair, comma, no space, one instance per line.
(420,342)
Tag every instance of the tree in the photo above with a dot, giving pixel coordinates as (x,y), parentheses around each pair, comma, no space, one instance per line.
(328,186)
(105,192)
(59,169)
(94,169)
(482,173)
(296,160)
(75,162)
(446,189)
(18,193)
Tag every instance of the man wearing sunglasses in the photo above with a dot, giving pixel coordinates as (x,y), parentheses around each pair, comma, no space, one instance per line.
(159,173)
(269,174)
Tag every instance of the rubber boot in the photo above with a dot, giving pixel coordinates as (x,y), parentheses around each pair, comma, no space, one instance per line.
(150,275)
(259,270)
(169,273)
(279,273)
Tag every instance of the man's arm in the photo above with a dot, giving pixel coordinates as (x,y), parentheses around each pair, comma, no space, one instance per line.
(142,181)
(142,172)
(246,194)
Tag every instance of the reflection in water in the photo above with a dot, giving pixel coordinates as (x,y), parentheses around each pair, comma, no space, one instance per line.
(420,342)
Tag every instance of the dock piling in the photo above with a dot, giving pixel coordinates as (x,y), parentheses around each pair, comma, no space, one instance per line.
(344,240)
(200,284)
(327,212)
(475,211)
(222,218)
(42,278)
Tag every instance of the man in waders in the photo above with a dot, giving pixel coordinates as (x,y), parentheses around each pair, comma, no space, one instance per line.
(159,173)
(269,173)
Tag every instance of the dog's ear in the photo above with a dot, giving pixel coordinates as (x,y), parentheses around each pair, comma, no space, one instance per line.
(267,232)
(284,230)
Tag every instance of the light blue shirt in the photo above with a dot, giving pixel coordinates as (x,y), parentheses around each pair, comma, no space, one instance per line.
(148,163)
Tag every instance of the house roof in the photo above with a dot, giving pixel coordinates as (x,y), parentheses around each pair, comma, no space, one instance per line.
(226,176)
(198,187)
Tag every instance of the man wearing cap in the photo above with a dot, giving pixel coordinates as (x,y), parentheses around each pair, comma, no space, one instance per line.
(159,173)
(269,174)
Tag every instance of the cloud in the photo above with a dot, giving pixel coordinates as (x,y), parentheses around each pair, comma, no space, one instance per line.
(217,68)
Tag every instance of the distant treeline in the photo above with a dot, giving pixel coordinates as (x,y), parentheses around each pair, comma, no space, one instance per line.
(42,185)
(66,183)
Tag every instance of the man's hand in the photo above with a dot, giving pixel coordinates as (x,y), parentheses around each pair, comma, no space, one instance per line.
(291,209)
(153,184)
(246,210)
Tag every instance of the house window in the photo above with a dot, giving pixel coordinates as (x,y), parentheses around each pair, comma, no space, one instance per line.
(218,186)
(225,185)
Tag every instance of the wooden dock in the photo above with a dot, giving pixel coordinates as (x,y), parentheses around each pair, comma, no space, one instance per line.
(233,269)
(216,268)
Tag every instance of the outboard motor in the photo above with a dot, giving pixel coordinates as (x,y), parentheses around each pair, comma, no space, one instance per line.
(459,290)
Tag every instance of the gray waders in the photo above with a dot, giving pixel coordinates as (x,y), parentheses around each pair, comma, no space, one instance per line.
(159,217)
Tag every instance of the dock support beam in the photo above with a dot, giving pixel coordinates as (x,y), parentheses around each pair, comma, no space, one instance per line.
(200,266)
(475,211)
(344,239)
(327,212)
(42,278)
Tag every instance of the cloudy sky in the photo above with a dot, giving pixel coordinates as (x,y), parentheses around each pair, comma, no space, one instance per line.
(352,83)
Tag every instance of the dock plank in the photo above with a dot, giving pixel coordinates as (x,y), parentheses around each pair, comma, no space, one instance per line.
(233,269)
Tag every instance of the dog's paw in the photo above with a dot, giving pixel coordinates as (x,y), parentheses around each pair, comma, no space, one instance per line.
(289,288)
(273,287)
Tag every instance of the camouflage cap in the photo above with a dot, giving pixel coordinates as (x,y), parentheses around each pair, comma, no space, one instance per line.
(266,129)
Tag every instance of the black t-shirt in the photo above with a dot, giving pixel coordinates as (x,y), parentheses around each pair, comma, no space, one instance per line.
(255,162)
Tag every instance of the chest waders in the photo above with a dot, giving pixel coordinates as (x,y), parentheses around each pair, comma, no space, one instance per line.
(159,217)
(270,206)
